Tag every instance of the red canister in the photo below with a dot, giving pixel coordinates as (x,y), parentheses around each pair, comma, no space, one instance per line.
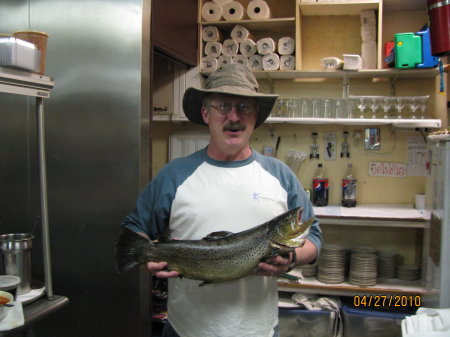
(439,22)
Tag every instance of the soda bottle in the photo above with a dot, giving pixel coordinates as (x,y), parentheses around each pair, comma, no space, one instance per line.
(349,188)
(320,187)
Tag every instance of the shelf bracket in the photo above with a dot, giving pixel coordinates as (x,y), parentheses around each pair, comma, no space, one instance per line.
(393,80)
(345,87)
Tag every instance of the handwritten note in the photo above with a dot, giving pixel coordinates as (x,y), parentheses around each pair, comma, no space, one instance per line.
(386,169)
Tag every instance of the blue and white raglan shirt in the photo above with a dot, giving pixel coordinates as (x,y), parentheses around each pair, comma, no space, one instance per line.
(197,195)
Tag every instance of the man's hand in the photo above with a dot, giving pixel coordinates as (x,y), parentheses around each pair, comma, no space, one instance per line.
(275,266)
(158,269)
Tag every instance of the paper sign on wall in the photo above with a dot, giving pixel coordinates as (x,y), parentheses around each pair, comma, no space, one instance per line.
(386,169)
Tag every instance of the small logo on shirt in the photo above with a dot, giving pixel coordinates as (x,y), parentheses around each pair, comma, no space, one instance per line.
(258,197)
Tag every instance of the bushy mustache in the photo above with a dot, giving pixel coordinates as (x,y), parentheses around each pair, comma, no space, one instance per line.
(234,126)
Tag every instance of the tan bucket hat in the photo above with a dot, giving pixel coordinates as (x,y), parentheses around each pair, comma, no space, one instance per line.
(233,79)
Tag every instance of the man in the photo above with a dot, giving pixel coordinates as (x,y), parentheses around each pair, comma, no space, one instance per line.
(226,187)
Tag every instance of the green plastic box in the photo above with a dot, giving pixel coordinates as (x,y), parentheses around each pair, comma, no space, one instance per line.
(408,50)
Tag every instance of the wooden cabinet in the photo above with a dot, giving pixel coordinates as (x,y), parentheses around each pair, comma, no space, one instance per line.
(174,29)
(320,29)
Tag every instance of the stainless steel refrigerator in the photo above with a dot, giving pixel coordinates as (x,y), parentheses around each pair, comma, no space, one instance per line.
(438,257)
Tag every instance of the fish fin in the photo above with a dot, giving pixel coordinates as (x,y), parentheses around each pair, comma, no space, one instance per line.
(129,249)
(218,235)
(204,283)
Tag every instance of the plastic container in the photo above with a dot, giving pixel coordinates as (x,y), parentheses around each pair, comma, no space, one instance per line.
(16,258)
(19,54)
(318,323)
(368,323)
(39,39)
(408,50)
(3,309)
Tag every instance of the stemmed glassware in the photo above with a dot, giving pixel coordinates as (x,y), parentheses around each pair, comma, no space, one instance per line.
(386,105)
(362,104)
(423,103)
(413,103)
(374,106)
(399,105)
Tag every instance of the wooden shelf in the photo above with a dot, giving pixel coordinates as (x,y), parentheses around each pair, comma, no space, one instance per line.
(400,123)
(260,25)
(311,285)
(342,74)
(337,8)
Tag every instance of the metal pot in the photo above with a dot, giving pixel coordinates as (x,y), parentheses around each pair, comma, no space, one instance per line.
(16,258)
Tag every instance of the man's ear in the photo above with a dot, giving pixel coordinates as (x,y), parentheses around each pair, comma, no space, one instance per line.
(204,113)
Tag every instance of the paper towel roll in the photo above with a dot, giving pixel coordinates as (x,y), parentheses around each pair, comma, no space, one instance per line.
(211,34)
(213,49)
(224,60)
(258,10)
(247,47)
(266,46)
(222,2)
(368,25)
(241,59)
(209,63)
(286,45)
(369,54)
(240,33)
(287,62)
(271,61)
(211,11)
(233,11)
(230,47)
(255,62)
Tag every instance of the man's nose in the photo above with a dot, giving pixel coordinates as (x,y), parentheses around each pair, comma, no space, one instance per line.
(234,114)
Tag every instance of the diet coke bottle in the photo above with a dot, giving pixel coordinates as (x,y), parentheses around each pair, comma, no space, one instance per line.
(349,188)
(320,188)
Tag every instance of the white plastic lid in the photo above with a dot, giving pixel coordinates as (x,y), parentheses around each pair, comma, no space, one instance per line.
(8,282)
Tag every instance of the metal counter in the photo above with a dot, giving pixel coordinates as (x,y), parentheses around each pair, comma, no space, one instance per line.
(36,311)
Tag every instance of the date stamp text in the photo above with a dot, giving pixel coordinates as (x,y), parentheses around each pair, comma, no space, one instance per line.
(393,301)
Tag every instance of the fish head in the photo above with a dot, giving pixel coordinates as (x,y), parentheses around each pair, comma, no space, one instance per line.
(288,230)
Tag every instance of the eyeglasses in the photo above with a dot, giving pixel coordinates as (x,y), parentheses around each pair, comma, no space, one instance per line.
(225,108)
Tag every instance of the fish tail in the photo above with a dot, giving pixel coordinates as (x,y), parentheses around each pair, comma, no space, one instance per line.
(129,250)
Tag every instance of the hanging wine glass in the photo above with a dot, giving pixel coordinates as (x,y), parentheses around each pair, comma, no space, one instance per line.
(413,106)
(374,106)
(362,104)
(399,105)
(386,105)
(423,105)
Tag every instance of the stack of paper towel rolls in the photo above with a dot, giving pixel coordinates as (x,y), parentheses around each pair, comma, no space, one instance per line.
(369,39)
(241,47)
(231,10)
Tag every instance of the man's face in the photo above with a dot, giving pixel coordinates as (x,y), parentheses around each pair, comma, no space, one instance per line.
(231,120)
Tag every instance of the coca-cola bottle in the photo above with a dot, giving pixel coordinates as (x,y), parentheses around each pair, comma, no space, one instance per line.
(349,188)
(320,187)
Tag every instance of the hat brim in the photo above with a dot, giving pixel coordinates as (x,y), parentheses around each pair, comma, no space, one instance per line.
(193,100)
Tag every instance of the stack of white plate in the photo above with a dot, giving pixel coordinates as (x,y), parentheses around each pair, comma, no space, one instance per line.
(331,264)
(408,272)
(309,270)
(363,269)
(387,263)
(363,250)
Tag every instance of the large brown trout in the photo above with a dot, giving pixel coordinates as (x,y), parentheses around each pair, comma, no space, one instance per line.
(220,256)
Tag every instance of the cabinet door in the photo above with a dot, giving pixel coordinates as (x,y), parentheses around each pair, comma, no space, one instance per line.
(174,29)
